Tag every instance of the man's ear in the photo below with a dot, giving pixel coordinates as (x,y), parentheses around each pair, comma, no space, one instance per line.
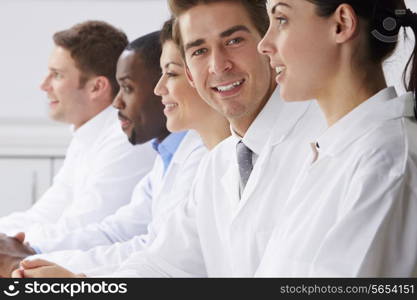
(98,86)
(20,237)
(347,23)
(189,76)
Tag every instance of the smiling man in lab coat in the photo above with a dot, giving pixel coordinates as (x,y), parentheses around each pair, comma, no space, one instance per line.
(224,226)
(101,167)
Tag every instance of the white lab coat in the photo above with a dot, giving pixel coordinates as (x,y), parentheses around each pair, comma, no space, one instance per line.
(98,176)
(353,212)
(216,234)
(135,225)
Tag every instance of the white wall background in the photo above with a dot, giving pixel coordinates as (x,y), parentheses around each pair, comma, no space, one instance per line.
(26,27)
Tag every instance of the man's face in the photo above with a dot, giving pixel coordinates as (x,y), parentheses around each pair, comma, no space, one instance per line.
(220,44)
(140,110)
(67,100)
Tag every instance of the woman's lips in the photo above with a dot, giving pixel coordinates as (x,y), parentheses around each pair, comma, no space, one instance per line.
(280,73)
(169,107)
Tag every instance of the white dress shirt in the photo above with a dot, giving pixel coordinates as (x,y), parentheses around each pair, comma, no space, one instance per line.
(100,171)
(135,225)
(353,211)
(216,233)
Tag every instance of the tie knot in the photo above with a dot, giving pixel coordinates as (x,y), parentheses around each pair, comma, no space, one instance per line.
(242,149)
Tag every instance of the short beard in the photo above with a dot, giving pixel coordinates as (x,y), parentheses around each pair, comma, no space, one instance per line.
(132,138)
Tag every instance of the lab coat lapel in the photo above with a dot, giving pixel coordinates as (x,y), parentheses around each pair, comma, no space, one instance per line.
(230,182)
(281,131)
(362,119)
(190,142)
(254,179)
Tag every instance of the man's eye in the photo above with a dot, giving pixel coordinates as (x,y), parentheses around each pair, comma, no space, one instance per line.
(234,41)
(56,75)
(127,89)
(199,52)
(171,74)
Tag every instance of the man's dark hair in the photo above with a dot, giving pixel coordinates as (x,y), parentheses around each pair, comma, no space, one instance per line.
(256,10)
(149,48)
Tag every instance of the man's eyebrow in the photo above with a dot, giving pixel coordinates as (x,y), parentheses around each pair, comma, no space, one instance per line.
(123,78)
(232,30)
(279,4)
(55,69)
(195,43)
(224,34)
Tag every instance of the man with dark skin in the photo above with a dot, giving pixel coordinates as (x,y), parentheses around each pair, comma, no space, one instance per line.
(12,250)
(101,167)
(142,119)
(141,111)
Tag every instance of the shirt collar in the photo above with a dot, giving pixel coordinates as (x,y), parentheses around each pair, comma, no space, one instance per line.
(90,130)
(168,146)
(258,132)
(381,107)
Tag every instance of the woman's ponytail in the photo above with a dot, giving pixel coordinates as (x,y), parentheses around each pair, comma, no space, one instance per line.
(385,18)
(409,19)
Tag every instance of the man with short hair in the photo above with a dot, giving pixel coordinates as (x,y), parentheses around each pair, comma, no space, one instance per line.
(101,167)
(223,228)
(178,154)
(135,225)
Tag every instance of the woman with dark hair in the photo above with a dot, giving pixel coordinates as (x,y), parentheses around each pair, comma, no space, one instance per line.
(353,209)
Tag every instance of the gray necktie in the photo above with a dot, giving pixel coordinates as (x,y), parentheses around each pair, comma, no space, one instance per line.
(244,160)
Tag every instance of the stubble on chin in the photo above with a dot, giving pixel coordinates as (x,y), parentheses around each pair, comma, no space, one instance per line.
(132,137)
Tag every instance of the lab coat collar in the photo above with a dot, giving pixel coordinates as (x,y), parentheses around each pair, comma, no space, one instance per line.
(90,131)
(258,132)
(290,114)
(255,138)
(381,107)
(189,143)
(230,181)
